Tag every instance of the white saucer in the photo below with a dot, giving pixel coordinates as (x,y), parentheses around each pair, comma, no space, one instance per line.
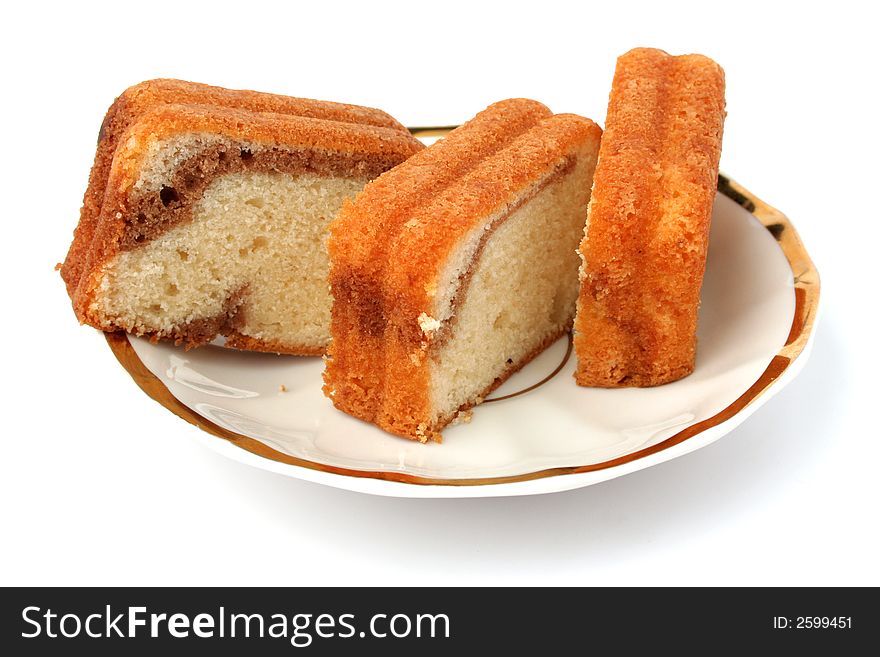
(760,299)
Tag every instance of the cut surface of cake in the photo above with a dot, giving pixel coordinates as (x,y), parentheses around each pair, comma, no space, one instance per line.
(456,268)
(207,209)
(647,233)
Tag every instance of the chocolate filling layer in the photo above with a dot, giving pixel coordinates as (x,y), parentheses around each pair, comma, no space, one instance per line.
(155,212)
(203,330)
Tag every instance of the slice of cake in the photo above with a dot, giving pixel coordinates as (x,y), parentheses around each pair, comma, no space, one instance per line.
(207,211)
(644,247)
(452,271)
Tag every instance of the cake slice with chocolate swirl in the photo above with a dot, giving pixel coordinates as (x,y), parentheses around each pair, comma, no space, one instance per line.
(456,268)
(207,209)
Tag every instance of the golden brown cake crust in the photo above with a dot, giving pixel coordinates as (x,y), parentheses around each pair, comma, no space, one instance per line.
(390,385)
(644,249)
(297,135)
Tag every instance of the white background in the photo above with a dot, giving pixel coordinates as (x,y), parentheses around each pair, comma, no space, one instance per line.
(100,485)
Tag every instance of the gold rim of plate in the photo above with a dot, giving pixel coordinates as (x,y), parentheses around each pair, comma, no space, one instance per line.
(806,291)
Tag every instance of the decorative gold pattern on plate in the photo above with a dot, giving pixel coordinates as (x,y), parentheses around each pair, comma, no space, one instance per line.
(557,370)
(806,290)
(431,131)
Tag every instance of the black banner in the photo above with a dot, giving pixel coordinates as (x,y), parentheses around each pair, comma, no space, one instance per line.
(397,621)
